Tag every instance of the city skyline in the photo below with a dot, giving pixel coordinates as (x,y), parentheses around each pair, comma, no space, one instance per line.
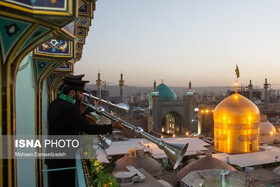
(200,41)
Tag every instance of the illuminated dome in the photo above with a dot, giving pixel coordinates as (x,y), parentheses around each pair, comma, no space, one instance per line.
(203,163)
(138,159)
(166,93)
(236,125)
(266,127)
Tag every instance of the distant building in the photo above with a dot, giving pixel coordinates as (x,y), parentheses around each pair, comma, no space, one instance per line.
(205,121)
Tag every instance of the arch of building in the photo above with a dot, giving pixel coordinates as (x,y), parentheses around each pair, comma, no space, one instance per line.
(171,123)
(183,110)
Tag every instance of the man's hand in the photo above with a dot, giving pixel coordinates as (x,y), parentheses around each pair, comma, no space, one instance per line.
(117,125)
(82,108)
(90,119)
(96,102)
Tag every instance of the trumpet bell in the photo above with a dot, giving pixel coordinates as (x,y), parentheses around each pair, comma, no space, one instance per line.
(104,142)
(175,152)
(123,106)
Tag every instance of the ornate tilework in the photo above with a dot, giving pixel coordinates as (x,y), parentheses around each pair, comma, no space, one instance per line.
(85,22)
(80,40)
(56,48)
(81,32)
(36,34)
(70,27)
(79,48)
(41,65)
(52,77)
(65,67)
(11,31)
(84,8)
(44,5)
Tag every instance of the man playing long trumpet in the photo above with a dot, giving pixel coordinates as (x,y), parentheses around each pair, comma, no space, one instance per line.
(65,118)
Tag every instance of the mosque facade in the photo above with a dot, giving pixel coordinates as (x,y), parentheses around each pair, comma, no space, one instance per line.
(172,116)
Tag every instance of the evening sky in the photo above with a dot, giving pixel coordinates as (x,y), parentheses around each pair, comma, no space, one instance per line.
(178,40)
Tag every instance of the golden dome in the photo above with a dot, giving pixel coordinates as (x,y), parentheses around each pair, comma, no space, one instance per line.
(236,109)
(236,125)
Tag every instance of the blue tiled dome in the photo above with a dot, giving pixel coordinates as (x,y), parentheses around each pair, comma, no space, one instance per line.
(166,93)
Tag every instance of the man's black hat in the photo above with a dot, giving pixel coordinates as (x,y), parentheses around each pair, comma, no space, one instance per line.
(75,82)
(74,77)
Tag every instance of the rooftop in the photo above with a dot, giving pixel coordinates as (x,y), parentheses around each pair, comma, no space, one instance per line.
(269,154)
(121,147)
(212,177)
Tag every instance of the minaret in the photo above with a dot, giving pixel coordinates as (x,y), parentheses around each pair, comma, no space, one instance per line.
(98,85)
(190,108)
(121,83)
(266,96)
(250,88)
(156,126)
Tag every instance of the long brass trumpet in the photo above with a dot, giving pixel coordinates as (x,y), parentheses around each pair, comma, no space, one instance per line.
(175,152)
(122,106)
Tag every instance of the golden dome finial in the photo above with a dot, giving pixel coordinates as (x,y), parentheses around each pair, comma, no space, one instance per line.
(237,76)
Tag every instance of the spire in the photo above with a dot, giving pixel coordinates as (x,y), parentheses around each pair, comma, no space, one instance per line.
(155,85)
(121,84)
(265,85)
(98,85)
(250,88)
(266,94)
(190,92)
(121,81)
